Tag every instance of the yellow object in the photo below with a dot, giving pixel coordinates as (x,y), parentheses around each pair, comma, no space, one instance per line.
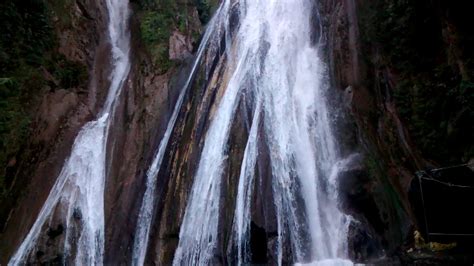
(433,246)
(419,240)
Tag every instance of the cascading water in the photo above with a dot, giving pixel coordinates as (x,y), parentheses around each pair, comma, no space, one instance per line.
(140,245)
(241,227)
(273,59)
(78,193)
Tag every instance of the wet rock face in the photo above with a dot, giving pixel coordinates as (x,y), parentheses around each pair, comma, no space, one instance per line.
(180,46)
(370,203)
(57,116)
(259,244)
(178,169)
(375,87)
(85,18)
(55,108)
(375,191)
(367,229)
(140,119)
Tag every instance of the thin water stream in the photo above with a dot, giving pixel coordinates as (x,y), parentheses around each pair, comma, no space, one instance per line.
(78,193)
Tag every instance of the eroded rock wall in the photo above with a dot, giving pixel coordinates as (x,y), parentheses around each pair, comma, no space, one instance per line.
(376,190)
(57,113)
(144,108)
(403,67)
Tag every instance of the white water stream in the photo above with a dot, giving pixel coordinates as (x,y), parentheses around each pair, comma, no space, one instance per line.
(78,193)
(142,233)
(271,56)
(274,59)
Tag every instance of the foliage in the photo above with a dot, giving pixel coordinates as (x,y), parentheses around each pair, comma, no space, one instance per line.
(155,30)
(70,74)
(432,95)
(62,9)
(13,123)
(27,50)
(25,34)
(204,10)
(439,109)
(406,31)
(158,18)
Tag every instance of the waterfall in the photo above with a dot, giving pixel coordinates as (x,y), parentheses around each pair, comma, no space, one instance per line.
(145,217)
(274,59)
(78,193)
(241,226)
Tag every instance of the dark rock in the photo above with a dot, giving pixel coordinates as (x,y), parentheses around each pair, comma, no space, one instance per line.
(77,214)
(258,244)
(53,233)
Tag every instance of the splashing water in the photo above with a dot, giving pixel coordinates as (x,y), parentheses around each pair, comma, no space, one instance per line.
(274,58)
(78,193)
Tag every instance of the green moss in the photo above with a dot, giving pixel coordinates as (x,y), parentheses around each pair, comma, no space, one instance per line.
(155,31)
(205,9)
(182,21)
(155,27)
(158,18)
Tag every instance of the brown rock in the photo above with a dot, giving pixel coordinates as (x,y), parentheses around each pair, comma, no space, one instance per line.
(53,109)
(180,46)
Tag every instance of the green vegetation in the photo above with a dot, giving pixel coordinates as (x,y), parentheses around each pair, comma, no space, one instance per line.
(155,29)
(439,109)
(158,18)
(13,124)
(27,52)
(427,46)
(70,74)
(25,36)
(205,9)
(30,64)
(62,9)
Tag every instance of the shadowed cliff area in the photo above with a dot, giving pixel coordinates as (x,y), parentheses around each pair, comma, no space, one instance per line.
(47,57)
(405,68)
